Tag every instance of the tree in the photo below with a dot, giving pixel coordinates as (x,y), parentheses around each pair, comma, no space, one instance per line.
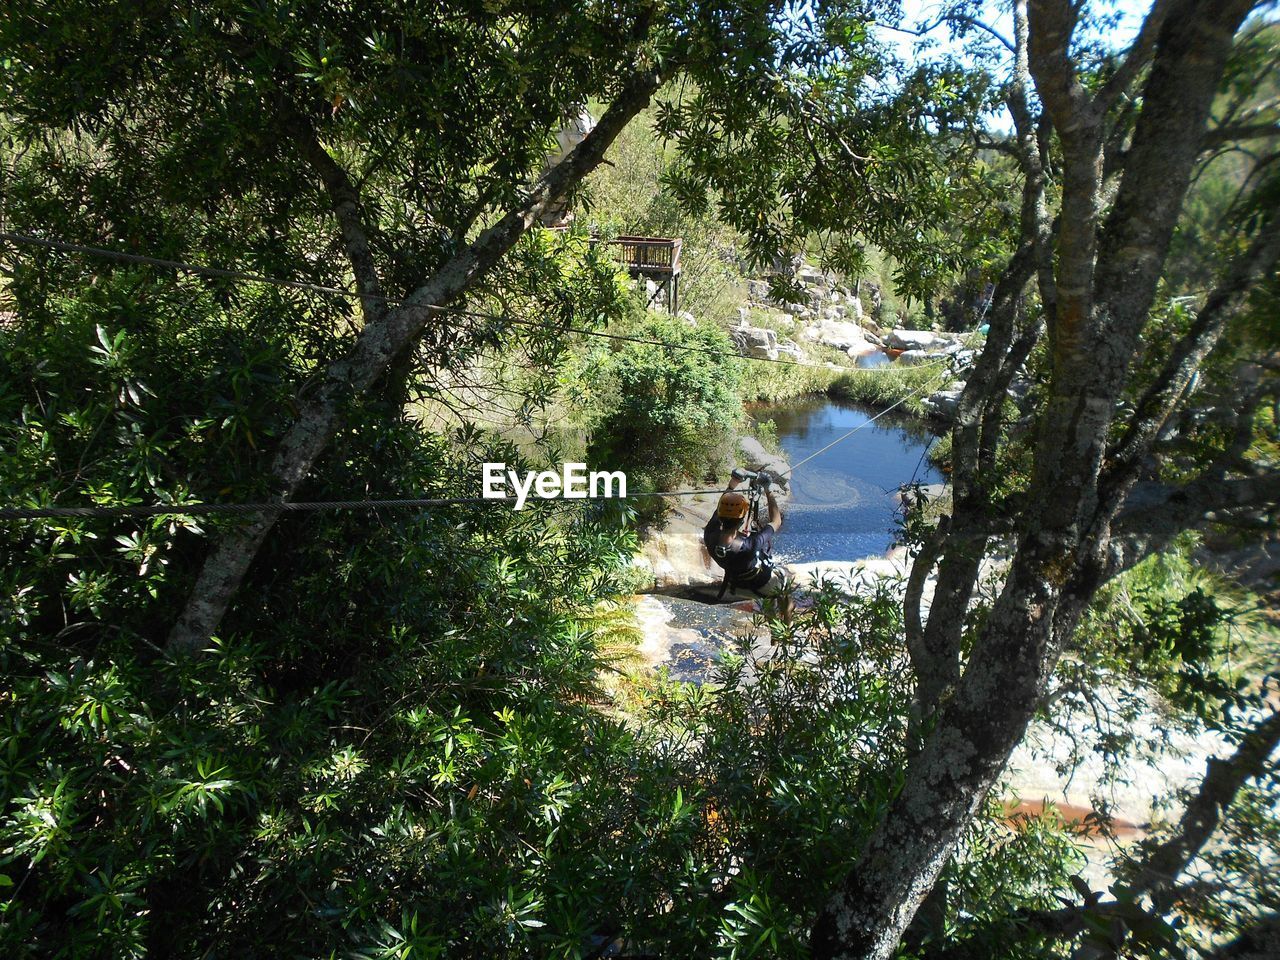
(1117,141)
(409,136)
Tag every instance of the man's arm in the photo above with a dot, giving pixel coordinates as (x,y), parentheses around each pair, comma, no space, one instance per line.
(775,513)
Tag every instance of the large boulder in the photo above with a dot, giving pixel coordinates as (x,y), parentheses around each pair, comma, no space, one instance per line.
(900,339)
(845,336)
(914,358)
(942,404)
(755,342)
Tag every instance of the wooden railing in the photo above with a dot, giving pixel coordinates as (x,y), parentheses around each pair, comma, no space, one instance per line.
(653,258)
(649,255)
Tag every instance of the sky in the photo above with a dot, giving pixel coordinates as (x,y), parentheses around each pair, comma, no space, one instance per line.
(918,13)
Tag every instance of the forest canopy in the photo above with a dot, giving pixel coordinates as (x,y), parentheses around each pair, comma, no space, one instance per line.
(261,255)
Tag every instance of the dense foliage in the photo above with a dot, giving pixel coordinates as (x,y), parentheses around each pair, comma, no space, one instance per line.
(399,743)
(666,412)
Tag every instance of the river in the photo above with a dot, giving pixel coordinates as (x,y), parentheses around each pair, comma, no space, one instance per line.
(842,509)
(843,503)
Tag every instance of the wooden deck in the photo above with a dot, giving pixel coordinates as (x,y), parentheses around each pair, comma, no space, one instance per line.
(650,258)
(653,258)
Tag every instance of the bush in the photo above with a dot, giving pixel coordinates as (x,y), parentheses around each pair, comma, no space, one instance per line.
(885,386)
(663,414)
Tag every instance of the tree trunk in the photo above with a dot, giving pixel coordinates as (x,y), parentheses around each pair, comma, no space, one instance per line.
(1064,549)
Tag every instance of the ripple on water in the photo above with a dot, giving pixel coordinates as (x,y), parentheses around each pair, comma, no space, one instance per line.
(843,504)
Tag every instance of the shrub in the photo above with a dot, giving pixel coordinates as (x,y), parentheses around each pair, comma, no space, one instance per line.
(664,414)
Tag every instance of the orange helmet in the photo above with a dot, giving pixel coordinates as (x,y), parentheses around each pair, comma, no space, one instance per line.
(732,506)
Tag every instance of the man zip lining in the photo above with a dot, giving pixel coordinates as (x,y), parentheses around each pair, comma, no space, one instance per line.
(742,552)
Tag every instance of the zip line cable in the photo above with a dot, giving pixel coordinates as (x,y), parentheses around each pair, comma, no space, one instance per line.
(302,506)
(201,509)
(216,272)
(226,274)
(296,506)
(866,423)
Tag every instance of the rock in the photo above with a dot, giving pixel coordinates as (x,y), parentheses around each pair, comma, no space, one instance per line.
(756,457)
(900,339)
(868,292)
(914,358)
(791,348)
(687,318)
(846,336)
(870,326)
(744,317)
(813,278)
(758,290)
(786,319)
(675,555)
(755,342)
(943,404)
(573,132)
(688,638)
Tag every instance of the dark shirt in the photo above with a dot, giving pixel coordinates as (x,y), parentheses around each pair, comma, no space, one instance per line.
(745,559)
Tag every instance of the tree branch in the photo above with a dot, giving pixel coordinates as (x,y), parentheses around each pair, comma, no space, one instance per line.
(1052,23)
(1137,56)
(380,344)
(1155,513)
(1161,865)
(1162,396)
(931,677)
(344,198)
(952,17)
(1230,133)
(1192,50)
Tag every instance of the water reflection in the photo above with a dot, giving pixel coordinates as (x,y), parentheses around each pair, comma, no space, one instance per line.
(843,504)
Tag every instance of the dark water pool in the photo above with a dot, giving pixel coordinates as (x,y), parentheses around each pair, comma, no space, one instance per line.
(843,502)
